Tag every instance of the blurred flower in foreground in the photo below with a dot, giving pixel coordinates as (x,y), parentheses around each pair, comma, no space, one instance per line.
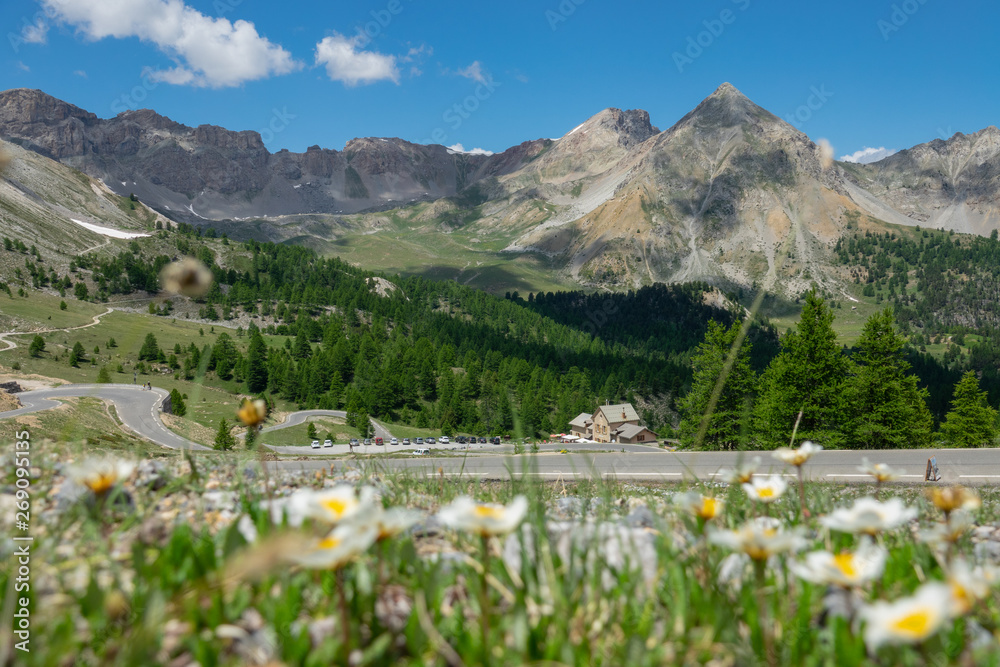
(765,488)
(253,412)
(187,276)
(845,569)
(393,521)
(908,620)
(760,538)
(868,516)
(950,532)
(825,154)
(742,473)
(339,503)
(703,507)
(970,585)
(880,471)
(100,475)
(951,498)
(797,457)
(344,544)
(484,519)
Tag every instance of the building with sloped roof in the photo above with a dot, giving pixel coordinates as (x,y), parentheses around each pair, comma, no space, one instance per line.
(612,423)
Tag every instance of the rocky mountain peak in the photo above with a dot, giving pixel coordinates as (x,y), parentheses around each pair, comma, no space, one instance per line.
(727,107)
(626,128)
(24,106)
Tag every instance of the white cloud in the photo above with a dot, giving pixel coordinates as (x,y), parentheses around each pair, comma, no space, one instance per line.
(209,52)
(80,73)
(867,155)
(21,66)
(474,72)
(459,148)
(418,53)
(344,62)
(35,33)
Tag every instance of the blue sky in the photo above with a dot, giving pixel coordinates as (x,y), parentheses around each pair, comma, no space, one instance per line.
(491,75)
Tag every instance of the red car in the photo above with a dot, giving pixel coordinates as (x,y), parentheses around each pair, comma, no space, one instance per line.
(378,441)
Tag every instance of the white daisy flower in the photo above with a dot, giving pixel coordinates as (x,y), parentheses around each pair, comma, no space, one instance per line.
(100,475)
(908,620)
(484,519)
(880,471)
(344,544)
(742,473)
(703,507)
(760,538)
(766,488)
(797,457)
(845,569)
(869,516)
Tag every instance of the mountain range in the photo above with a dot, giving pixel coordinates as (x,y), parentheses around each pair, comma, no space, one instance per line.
(730,193)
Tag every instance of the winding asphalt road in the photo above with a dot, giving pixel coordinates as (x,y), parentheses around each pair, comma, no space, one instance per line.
(138,409)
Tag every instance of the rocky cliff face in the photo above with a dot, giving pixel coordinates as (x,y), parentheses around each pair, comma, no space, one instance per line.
(953,184)
(210,172)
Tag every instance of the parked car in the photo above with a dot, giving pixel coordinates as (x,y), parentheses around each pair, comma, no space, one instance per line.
(496,440)
(406,442)
(420,441)
(368,442)
(379,442)
(328,443)
(462,440)
(482,440)
(394,441)
(354,442)
(429,441)
(421,452)
(315,444)
(444,440)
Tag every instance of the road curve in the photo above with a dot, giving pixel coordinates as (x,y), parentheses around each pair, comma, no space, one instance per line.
(138,409)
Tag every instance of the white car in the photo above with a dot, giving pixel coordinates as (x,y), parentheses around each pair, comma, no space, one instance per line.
(315,444)
(430,441)
(394,441)
(444,440)
(328,443)
(421,452)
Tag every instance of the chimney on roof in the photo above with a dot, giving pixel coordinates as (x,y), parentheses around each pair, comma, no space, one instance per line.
(623,414)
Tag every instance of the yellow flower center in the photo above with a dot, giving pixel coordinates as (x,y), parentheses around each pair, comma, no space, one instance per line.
(757,552)
(765,492)
(961,596)
(746,477)
(915,625)
(488,512)
(101,483)
(845,563)
(709,508)
(328,543)
(336,506)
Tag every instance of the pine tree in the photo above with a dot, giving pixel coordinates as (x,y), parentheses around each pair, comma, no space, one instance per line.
(103,376)
(257,376)
(150,350)
(224,440)
(723,427)
(884,408)
(177,403)
(311,431)
(77,354)
(37,346)
(806,376)
(971,422)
